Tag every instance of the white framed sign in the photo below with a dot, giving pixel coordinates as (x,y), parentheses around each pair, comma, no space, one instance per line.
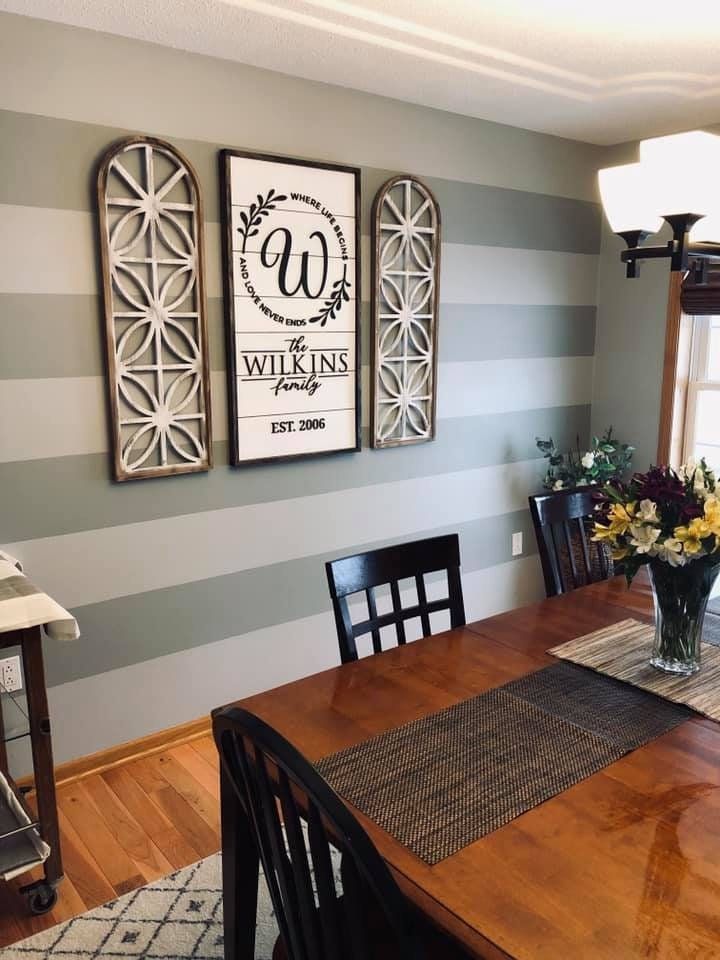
(292,299)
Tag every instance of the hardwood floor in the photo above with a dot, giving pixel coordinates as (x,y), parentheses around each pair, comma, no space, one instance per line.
(123,828)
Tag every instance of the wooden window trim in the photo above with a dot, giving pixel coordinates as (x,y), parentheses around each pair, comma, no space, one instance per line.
(676,377)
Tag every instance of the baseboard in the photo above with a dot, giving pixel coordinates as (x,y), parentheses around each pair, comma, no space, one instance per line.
(133,750)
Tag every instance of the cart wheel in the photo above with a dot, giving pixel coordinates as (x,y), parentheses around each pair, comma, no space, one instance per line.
(42,899)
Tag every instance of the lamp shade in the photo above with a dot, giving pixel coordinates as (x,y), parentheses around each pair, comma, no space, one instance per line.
(628,199)
(707,230)
(682,169)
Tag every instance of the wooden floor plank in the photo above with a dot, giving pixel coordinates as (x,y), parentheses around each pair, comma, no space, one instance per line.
(82,867)
(76,803)
(156,825)
(205,746)
(203,838)
(200,799)
(199,768)
(139,847)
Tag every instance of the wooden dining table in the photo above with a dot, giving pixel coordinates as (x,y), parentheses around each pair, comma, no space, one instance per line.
(625,864)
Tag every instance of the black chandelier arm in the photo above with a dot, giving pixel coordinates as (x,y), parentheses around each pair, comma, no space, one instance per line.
(679,250)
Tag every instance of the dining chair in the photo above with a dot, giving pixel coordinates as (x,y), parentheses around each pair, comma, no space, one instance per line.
(364,572)
(332,893)
(569,556)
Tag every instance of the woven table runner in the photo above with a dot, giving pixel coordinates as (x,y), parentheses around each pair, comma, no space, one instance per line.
(442,782)
(623,651)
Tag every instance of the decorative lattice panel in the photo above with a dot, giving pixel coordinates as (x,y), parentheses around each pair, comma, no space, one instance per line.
(152,255)
(406,275)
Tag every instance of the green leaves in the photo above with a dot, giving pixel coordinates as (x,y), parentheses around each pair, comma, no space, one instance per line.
(605,460)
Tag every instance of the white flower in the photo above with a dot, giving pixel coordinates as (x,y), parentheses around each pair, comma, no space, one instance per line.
(670,551)
(581,483)
(699,485)
(558,485)
(588,461)
(643,538)
(647,511)
(688,469)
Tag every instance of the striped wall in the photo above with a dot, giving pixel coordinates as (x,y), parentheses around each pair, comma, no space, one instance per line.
(191,591)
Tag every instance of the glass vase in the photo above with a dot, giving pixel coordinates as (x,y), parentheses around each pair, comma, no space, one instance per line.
(680,595)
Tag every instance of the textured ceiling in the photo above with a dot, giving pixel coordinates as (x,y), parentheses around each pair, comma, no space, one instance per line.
(604,72)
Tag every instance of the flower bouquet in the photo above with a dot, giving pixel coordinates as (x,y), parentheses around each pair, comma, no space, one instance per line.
(670,521)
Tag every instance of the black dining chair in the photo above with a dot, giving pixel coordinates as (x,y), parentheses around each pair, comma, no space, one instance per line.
(563,529)
(364,572)
(333,896)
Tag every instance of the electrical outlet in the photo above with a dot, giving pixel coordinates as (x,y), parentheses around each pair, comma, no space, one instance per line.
(517,544)
(10,676)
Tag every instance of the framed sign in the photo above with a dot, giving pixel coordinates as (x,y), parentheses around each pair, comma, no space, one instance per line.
(292,296)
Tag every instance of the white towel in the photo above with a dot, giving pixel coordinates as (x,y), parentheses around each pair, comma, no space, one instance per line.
(22,605)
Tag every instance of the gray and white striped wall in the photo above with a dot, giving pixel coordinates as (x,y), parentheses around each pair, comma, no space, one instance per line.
(192,591)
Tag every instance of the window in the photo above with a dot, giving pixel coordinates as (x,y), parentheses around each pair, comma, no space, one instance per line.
(702,413)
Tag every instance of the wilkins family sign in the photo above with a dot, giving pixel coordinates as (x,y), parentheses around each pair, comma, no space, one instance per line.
(292,293)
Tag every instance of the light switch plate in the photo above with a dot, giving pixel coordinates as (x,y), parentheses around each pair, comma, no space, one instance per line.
(517,547)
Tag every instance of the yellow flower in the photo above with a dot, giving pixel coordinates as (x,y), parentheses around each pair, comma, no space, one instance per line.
(712,513)
(619,553)
(621,515)
(604,533)
(693,534)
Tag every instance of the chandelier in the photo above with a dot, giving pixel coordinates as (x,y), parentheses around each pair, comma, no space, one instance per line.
(673,182)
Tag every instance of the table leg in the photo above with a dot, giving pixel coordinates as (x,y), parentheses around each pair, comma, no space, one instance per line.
(240,868)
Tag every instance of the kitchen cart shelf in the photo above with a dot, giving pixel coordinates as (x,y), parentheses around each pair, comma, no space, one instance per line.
(27,838)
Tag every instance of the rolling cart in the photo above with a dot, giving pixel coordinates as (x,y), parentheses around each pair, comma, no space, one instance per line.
(29,838)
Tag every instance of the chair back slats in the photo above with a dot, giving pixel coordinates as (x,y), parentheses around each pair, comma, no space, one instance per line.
(299,823)
(390,566)
(277,863)
(570,554)
(397,611)
(372,611)
(423,603)
(328,902)
(569,559)
(582,536)
(300,866)
(355,912)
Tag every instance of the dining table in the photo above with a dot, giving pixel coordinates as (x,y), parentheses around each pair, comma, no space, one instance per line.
(623,864)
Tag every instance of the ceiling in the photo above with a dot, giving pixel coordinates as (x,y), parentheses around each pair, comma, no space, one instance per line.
(603,72)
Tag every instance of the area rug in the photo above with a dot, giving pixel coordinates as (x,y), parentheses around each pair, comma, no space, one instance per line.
(171,919)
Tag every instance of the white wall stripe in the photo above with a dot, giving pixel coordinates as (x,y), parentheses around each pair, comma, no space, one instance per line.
(467,389)
(132,701)
(96,565)
(66,416)
(45,250)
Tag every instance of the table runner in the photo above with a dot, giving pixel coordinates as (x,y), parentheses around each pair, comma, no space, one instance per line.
(622,650)
(446,780)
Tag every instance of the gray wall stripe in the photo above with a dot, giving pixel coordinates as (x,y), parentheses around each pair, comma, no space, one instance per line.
(131,629)
(68,494)
(56,335)
(472,213)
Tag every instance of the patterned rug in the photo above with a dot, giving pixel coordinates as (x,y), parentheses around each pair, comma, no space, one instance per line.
(177,917)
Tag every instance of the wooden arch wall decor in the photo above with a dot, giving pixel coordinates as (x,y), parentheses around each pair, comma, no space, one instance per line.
(405,291)
(151,240)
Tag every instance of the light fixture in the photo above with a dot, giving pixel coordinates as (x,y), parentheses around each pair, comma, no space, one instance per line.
(674,181)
